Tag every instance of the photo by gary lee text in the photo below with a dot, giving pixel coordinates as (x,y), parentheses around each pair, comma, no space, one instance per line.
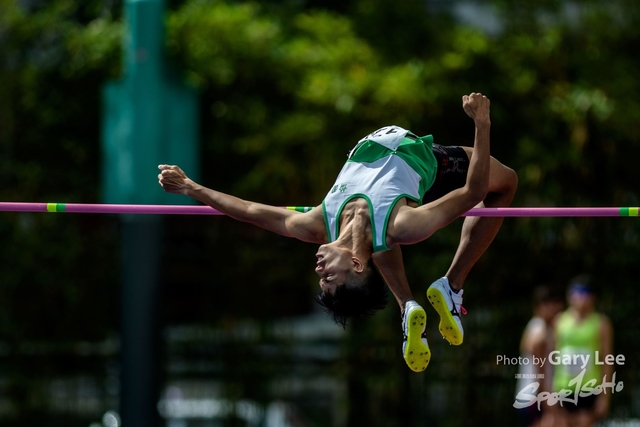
(555,358)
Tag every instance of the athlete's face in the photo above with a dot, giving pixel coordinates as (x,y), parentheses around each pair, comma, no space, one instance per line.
(549,310)
(583,301)
(333,265)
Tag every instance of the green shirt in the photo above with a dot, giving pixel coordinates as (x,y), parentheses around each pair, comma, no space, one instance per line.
(581,339)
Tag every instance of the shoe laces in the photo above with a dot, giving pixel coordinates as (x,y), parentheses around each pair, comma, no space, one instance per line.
(456,298)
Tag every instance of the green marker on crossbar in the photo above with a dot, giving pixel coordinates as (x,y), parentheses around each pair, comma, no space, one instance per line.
(56,207)
(299,208)
(628,211)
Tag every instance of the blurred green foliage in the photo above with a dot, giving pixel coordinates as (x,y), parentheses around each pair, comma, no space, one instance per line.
(286,89)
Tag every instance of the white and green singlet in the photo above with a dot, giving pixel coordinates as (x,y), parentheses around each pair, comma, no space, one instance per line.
(384,167)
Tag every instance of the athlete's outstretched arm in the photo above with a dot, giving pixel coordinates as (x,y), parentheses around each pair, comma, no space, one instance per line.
(412,225)
(308,227)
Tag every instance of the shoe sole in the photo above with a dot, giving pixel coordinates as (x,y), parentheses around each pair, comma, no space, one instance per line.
(448,326)
(416,353)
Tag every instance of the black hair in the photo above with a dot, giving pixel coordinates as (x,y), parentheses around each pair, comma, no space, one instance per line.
(545,294)
(360,296)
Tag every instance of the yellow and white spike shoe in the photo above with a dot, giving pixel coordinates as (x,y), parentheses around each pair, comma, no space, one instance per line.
(415,347)
(448,304)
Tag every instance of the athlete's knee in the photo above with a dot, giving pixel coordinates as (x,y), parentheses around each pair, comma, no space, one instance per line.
(511,180)
(504,181)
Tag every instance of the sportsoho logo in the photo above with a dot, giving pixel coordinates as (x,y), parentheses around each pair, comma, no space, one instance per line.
(529,395)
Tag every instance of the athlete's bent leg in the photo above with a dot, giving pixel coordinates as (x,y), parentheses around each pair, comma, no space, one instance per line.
(478,232)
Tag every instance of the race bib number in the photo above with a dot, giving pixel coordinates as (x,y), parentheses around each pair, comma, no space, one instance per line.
(388,136)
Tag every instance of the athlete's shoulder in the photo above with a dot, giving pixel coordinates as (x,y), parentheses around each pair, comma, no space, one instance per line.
(399,228)
(308,226)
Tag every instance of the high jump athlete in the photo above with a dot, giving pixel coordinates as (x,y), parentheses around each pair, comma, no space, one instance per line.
(395,189)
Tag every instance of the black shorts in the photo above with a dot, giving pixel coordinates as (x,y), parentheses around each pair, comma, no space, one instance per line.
(584,403)
(528,415)
(453,165)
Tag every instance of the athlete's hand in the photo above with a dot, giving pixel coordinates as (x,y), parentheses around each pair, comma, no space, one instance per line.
(477,106)
(173,180)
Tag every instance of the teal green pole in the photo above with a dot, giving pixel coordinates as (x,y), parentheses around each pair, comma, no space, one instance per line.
(149,119)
